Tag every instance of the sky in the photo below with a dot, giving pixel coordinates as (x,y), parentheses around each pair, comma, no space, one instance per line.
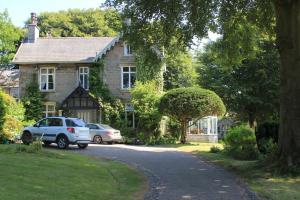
(19,10)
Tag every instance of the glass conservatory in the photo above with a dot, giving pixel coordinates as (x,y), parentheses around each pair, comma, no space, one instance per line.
(203,130)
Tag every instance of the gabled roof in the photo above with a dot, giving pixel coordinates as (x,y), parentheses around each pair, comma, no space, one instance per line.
(64,50)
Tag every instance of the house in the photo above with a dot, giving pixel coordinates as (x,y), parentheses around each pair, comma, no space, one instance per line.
(62,66)
(9,81)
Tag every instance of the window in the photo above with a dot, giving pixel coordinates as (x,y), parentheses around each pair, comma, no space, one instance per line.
(127,50)
(75,123)
(84,77)
(49,109)
(55,122)
(43,123)
(128,77)
(47,78)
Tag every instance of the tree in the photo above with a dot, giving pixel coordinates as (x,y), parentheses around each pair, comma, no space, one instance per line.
(180,70)
(80,23)
(194,18)
(10,38)
(189,103)
(33,101)
(249,89)
(145,99)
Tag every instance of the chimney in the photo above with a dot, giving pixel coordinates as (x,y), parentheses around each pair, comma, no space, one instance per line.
(33,30)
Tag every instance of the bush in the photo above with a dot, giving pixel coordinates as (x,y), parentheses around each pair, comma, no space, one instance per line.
(215,149)
(11,117)
(145,99)
(240,143)
(267,131)
(269,150)
(188,103)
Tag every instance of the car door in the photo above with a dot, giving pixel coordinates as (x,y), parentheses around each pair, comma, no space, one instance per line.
(93,130)
(38,128)
(55,126)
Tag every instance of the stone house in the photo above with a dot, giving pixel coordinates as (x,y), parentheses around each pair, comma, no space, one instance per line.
(9,82)
(62,67)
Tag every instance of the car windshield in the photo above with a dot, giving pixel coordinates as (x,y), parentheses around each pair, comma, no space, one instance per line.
(75,122)
(104,126)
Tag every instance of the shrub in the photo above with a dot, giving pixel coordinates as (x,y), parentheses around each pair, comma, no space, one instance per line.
(267,131)
(215,149)
(11,117)
(188,103)
(240,143)
(33,101)
(145,99)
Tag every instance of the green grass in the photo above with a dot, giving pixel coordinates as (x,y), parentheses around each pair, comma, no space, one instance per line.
(261,179)
(59,175)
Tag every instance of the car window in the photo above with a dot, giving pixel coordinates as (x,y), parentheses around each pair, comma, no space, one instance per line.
(75,123)
(43,123)
(55,122)
(104,126)
(92,126)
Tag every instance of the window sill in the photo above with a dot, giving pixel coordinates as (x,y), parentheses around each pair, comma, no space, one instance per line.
(47,91)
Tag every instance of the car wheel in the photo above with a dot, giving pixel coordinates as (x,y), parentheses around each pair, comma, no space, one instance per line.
(47,143)
(62,142)
(27,137)
(82,146)
(98,139)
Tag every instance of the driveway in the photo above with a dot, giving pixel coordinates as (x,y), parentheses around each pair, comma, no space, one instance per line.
(175,175)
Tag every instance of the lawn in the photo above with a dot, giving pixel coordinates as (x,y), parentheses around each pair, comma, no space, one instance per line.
(260,179)
(63,175)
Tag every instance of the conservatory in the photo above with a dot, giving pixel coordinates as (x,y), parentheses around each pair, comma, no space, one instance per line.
(203,130)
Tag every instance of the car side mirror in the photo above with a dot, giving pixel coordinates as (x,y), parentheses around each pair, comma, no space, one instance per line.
(36,125)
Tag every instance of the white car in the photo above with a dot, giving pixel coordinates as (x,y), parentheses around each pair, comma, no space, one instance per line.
(60,130)
(103,133)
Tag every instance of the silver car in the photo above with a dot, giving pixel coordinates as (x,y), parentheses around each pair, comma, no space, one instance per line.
(104,133)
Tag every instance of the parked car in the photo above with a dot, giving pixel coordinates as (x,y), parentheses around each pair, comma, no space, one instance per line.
(60,130)
(104,133)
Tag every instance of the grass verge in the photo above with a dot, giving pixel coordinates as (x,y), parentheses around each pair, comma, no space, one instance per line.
(61,175)
(261,179)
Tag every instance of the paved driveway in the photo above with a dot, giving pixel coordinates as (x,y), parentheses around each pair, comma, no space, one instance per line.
(174,175)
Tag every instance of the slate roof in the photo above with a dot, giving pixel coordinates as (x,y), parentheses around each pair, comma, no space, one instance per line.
(9,78)
(64,50)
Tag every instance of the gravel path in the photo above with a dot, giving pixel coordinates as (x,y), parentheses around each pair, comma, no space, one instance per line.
(174,175)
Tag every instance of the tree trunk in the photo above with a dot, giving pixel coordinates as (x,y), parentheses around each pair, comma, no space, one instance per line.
(288,38)
(183,131)
(252,120)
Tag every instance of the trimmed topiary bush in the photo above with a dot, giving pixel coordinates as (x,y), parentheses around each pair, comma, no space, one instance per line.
(184,104)
(240,143)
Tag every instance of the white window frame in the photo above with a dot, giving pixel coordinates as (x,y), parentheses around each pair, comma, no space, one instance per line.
(129,79)
(47,112)
(127,50)
(47,81)
(87,75)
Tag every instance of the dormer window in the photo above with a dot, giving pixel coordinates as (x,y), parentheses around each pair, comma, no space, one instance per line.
(84,77)
(127,50)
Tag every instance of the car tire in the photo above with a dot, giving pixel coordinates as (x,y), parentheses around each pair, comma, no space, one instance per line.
(82,146)
(62,142)
(27,137)
(47,143)
(98,139)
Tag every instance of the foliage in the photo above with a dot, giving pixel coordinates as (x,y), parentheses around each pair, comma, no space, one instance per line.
(215,149)
(12,115)
(240,143)
(266,131)
(173,128)
(145,99)
(10,38)
(249,89)
(112,108)
(33,101)
(180,71)
(184,104)
(80,23)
